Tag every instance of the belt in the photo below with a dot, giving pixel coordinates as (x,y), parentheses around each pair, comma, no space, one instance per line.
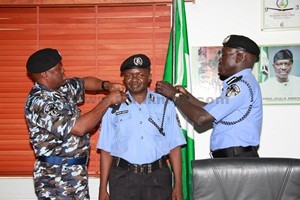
(141,169)
(232,151)
(55,160)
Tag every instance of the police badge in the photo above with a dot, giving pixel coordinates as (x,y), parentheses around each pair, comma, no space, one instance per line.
(52,109)
(233,90)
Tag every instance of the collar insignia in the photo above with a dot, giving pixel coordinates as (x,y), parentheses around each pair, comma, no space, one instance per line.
(152,97)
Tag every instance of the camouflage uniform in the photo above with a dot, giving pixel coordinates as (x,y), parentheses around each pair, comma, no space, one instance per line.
(50,116)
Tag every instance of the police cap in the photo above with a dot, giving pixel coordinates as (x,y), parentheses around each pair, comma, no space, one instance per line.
(284,54)
(136,61)
(43,60)
(243,43)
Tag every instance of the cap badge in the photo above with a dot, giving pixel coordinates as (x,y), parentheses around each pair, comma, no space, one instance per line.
(138,61)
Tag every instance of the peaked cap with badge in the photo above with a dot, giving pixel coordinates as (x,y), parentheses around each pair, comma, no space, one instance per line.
(43,60)
(284,54)
(136,61)
(243,43)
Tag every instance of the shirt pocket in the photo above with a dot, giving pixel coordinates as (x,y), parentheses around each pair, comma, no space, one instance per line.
(157,117)
(122,121)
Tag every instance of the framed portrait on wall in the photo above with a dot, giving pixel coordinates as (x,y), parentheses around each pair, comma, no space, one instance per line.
(206,85)
(278,73)
(280,14)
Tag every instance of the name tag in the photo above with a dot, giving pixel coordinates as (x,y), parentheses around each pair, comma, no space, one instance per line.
(121,112)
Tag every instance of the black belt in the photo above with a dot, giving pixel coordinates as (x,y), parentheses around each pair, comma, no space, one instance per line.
(55,160)
(232,151)
(141,169)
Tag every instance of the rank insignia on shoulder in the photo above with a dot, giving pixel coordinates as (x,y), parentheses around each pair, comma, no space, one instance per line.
(234,79)
(233,90)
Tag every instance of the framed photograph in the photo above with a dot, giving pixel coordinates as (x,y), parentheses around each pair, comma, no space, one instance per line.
(278,72)
(206,85)
(280,14)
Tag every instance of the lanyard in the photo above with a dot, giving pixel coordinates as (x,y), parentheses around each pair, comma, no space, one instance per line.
(161,128)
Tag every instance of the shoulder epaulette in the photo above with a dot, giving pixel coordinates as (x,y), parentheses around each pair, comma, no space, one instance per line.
(234,79)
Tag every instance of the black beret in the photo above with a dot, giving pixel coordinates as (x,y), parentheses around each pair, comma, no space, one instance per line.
(243,43)
(136,61)
(283,54)
(43,60)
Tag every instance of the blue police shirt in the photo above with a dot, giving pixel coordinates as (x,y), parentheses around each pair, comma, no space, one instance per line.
(130,135)
(237,112)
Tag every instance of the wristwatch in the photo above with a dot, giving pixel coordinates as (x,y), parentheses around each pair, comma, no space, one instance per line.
(176,96)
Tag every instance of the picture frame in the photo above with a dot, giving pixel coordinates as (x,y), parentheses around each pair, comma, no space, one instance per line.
(278,74)
(280,14)
(206,85)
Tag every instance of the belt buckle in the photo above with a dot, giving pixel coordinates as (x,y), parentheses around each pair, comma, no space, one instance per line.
(143,169)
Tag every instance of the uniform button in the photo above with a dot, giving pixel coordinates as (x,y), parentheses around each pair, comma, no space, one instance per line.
(140,109)
(141,122)
(142,137)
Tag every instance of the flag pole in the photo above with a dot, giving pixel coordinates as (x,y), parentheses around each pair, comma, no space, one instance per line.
(174,4)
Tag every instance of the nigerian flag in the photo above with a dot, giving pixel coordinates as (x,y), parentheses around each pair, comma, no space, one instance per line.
(177,72)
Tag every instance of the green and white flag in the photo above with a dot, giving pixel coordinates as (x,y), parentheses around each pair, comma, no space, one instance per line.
(177,72)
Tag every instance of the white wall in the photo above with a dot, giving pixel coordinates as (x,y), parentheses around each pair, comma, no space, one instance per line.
(209,22)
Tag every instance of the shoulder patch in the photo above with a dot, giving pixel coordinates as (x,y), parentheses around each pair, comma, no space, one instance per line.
(53,109)
(233,90)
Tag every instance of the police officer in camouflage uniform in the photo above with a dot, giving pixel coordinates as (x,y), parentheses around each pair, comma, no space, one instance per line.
(59,133)
(237,114)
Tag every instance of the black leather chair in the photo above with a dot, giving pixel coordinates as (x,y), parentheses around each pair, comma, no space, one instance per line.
(246,179)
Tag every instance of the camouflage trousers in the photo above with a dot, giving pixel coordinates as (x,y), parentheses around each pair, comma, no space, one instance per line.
(60,182)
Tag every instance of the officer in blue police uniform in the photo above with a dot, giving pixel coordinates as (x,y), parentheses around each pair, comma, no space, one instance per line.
(135,139)
(237,114)
(58,131)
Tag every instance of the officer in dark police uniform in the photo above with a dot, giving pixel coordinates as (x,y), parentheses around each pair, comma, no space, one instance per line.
(136,137)
(237,114)
(59,133)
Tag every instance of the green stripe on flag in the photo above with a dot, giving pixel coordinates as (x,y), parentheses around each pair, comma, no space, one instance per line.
(176,72)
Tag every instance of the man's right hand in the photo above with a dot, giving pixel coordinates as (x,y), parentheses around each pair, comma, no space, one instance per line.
(165,89)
